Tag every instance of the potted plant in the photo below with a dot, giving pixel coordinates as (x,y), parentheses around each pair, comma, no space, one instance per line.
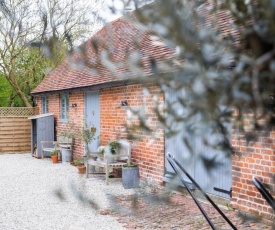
(87,135)
(67,135)
(130,176)
(54,156)
(80,165)
(114,147)
(111,148)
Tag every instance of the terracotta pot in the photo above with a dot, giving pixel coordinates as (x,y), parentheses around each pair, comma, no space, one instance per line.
(54,159)
(81,169)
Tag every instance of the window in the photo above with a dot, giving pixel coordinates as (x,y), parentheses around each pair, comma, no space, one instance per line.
(64,107)
(45,105)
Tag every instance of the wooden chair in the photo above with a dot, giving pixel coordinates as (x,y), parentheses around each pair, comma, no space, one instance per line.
(121,158)
(61,143)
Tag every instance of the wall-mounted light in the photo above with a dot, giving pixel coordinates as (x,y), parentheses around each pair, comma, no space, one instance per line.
(74,105)
(124,103)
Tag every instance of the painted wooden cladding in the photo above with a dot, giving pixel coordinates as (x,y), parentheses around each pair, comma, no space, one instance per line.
(219,177)
(42,129)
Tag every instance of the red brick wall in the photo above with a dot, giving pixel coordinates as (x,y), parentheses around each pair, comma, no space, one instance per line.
(255,159)
(76,116)
(149,157)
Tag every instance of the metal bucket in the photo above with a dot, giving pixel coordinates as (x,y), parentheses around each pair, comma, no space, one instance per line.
(130,177)
(67,155)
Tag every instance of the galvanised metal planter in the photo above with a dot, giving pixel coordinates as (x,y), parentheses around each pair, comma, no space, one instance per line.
(67,155)
(130,177)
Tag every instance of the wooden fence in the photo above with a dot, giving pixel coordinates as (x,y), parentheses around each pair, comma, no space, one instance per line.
(15,129)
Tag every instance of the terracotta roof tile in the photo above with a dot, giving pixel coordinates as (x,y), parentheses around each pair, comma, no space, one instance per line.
(122,39)
(86,69)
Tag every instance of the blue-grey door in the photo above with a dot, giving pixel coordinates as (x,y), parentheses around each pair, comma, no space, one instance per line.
(174,144)
(92,117)
(42,130)
(218,180)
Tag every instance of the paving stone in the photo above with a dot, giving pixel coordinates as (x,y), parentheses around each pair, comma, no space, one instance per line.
(178,212)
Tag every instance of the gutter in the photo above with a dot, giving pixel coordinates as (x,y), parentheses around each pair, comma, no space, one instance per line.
(88,88)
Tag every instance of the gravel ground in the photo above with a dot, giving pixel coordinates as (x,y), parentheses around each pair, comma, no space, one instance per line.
(36,194)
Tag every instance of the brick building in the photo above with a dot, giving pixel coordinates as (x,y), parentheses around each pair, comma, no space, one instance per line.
(71,85)
(76,93)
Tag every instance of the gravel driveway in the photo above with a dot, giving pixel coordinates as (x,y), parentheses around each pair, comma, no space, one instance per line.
(36,194)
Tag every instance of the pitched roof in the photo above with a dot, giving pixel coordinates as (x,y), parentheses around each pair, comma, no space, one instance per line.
(86,67)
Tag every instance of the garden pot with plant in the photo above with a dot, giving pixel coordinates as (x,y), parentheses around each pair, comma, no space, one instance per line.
(130,176)
(111,149)
(87,135)
(68,134)
(81,169)
(54,156)
(80,166)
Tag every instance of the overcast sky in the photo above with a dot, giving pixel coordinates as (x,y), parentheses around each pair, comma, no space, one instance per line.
(106,12)
(118,5)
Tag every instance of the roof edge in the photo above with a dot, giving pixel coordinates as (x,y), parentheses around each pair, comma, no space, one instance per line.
(88,88)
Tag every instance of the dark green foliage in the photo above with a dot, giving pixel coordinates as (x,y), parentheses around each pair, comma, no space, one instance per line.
(8,97)
(114,146)
(31,32)
(54,153)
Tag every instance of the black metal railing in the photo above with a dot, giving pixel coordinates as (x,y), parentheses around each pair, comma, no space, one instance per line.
(178,168)
(259,185)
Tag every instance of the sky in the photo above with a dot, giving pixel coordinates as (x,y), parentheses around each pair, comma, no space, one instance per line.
(106,12)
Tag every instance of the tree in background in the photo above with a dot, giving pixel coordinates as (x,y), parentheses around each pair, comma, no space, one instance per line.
(8,97)
(25,24)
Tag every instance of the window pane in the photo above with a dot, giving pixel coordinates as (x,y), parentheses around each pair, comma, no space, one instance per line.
(64,107)
(67,106)
(47,105)
(44,104)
